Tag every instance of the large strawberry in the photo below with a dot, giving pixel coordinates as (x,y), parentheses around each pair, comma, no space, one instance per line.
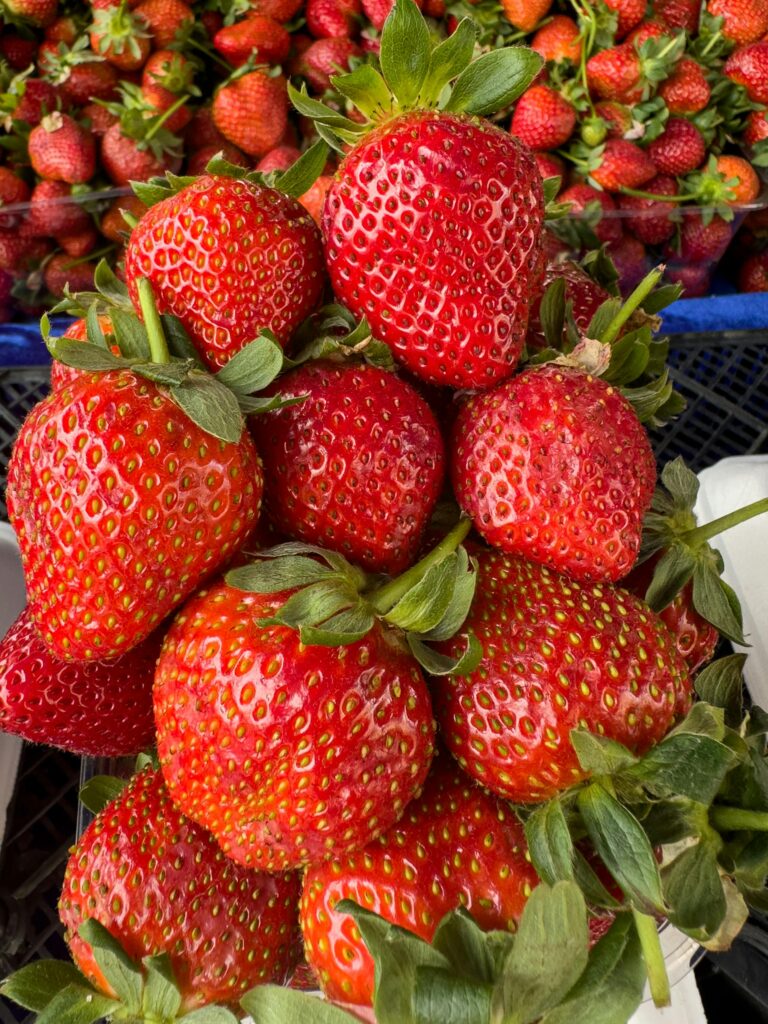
(263,263)
(744,21)
(557,656)
(103,709)
(437,254)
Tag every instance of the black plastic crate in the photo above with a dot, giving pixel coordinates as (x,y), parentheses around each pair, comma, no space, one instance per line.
(21,387)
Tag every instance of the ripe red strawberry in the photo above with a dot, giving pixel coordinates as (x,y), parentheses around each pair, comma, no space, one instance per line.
(585,295)
(630,14)
(651,221)
(263,38)
(554,465)
(549,165)
(525,15)
(80,74)
(313,199)
(623,164)
(617,118)
(289,753)
(278,159)
(679,13)
(756,128)
(753,273)
(62,272)
(451,818)
(323,59)
(748,66)
(559,39)
(53,210)
(103,709)
(252,112)
(573,656)
(64,30)
(81,243)
(679,149)
(34,98)
(13,189)
(150,528)
(329,18)
(746,185)
(687,90)
(17,50)
(356,467)
(695,278)
(542,118)
(584,198)
(118,35)
(125,161)
(744,21)
(35,12)
(377,11)
(632,262)
(700,242)
(613,72)
(270,269)
(61,150)
(160,884)
(165,19)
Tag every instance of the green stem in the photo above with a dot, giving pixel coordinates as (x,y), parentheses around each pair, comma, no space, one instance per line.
(736,819)
(640,194)
(386,597)
(701,534)
(164,117)
(637,298)
(96,255)
(210,54)
(710,44)
(158,345)
(648,933)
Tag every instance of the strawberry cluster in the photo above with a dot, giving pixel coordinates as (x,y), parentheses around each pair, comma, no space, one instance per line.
(355,533)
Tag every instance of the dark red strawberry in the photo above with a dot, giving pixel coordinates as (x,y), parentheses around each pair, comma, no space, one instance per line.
(377,11)
(631,261)
(687,90)
(700,242)
(744,21)
(61,150)
(29,100)
(36,12)
(200,158)
(323,59)
(679,149)
(13,190)
(62,272)
(597,206)
(125,159)
(165,18)
(20,51)
(543,119)
(100,710)
(329,18)
(748,66)
(649,220)
(120,36)
(753,273)
(679,13)
(257,36)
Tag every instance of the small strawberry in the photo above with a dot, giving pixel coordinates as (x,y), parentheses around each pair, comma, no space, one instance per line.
(27,99)
(278,159)
(631,71)
(748,66)
(37,13)
(700,242)
(622,164)
(13,189)
(323,59)
(121,37)
(81,243)
(585,199)
(79,708)
(542,118)
(164,18)
(631,261)
(113,225)
(262,38)
(584,294)
(695,279)
(19,51)
(753,273)
(649,220)
(64,30)
(679,149)
(16,249)
(630,14)
(452,817)
(559,39)
(80,74)
(124,159)
(679,13)
(687,90)
(744,183)
(744,21)
(616,116)
(62,273)
(61,374)
(525,15)
(550,165)
(61,150)
(252,112)
(756,129)
(329,18)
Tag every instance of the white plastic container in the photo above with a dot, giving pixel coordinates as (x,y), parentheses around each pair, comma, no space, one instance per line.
(12,600)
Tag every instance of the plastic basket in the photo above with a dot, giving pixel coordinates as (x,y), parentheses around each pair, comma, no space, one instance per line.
(20,388)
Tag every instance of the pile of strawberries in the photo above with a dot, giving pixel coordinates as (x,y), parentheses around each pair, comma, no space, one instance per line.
(354,534)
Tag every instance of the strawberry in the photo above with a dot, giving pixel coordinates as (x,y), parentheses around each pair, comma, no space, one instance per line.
(38,13)
(756,129)
(64,30)
(164,18)
(589,657)
(199,160)
(120,37)
(623,164)
(17,50)
(748,66)
(262,38)
(61,374)
(80,74)
(16,249)
(542,118)
(549,165)
(585,295)
(329,18)
(29,100)
(76,707)
(613,72)
(452,817)
(586,198)
(113,225)
(357,466)
(745,184)
(700,242)
(201,132)
(687,90)
(575,443)
(525,15)
(317,750)
(651,221)
(679,149)
(616,116)
(223,928)
(630,14)
(61,150)
(81,243)
(559,39)
(695,279)
(631,71)
(744,21)
(13,189)
(631,262)
(377,11)
(269,269)
(679,13)
(323,59)
(651,29)
(278,159)
(313,200)
(753,273)
(124,159)
(252,112)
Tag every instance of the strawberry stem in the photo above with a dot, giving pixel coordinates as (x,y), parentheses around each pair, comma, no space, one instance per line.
(736,819)
(640,194)
(638,296)
(164,117)
(386,597)
(701,534)
(658,981)
(158,345)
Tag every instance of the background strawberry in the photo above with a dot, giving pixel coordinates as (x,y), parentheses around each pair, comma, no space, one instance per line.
(526,14)
(263,38)
(328,18)
(679,149)
(324,58)
(648,220)
(687,90)
(748,66)
(558,39)
(61,150)
(252,112)
(542,118)
(744,21)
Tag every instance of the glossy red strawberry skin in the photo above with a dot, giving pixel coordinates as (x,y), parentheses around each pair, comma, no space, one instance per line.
(264,38)
(121,505)
(748,66)
(687,90)
(266,273)
(159,883)
(543,119)
(554,465)
(356,467)
(103,709)
(61,150)
(252,112)
(744,21)
(624,165)
(288,754)
(679,149)
(613,72)
(456,845)
(557,656)
(444,281)
(325,58)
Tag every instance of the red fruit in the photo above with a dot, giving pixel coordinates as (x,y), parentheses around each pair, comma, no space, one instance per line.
(526,14)
(113,225)
(35,12)
(700,242)
(746,184)
(125,161)
(199,160)
(748,66)
(679,13)
(262,38)
(555,466)
(92,81)
(651,221)
(158,100)
(403,253)
(679,149)
(252,112)
(329,18)
(269,269)
(696,279)
(13,190)
(313,200)
(559,39)
(80,244)
(225,929)
(617,117)
(612,73)
(623,164)
(542,119)
(630,12)
(61,374)
(121,37)
(323,59)
(631,261)
(687,90)
(356,467)
(753,273)
(164,19)
(64,30)
(573,656)
(61,150)
(54,210)
(756,128)
(18,51)
(280,10)
(585,295)
(35,99)
(288,753)
(103,709)
(647,30)
(549,165)
(15,244)
(278,159)
(745,21)
(452,823)
(377,11)
(201,131)
(583,198)
(185,505)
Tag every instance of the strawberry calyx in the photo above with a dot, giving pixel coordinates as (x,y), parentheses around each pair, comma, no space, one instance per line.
(117,30)
(58,64)
(140,121)
(335,603)
(418,73)
(333,333)
(671,531)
